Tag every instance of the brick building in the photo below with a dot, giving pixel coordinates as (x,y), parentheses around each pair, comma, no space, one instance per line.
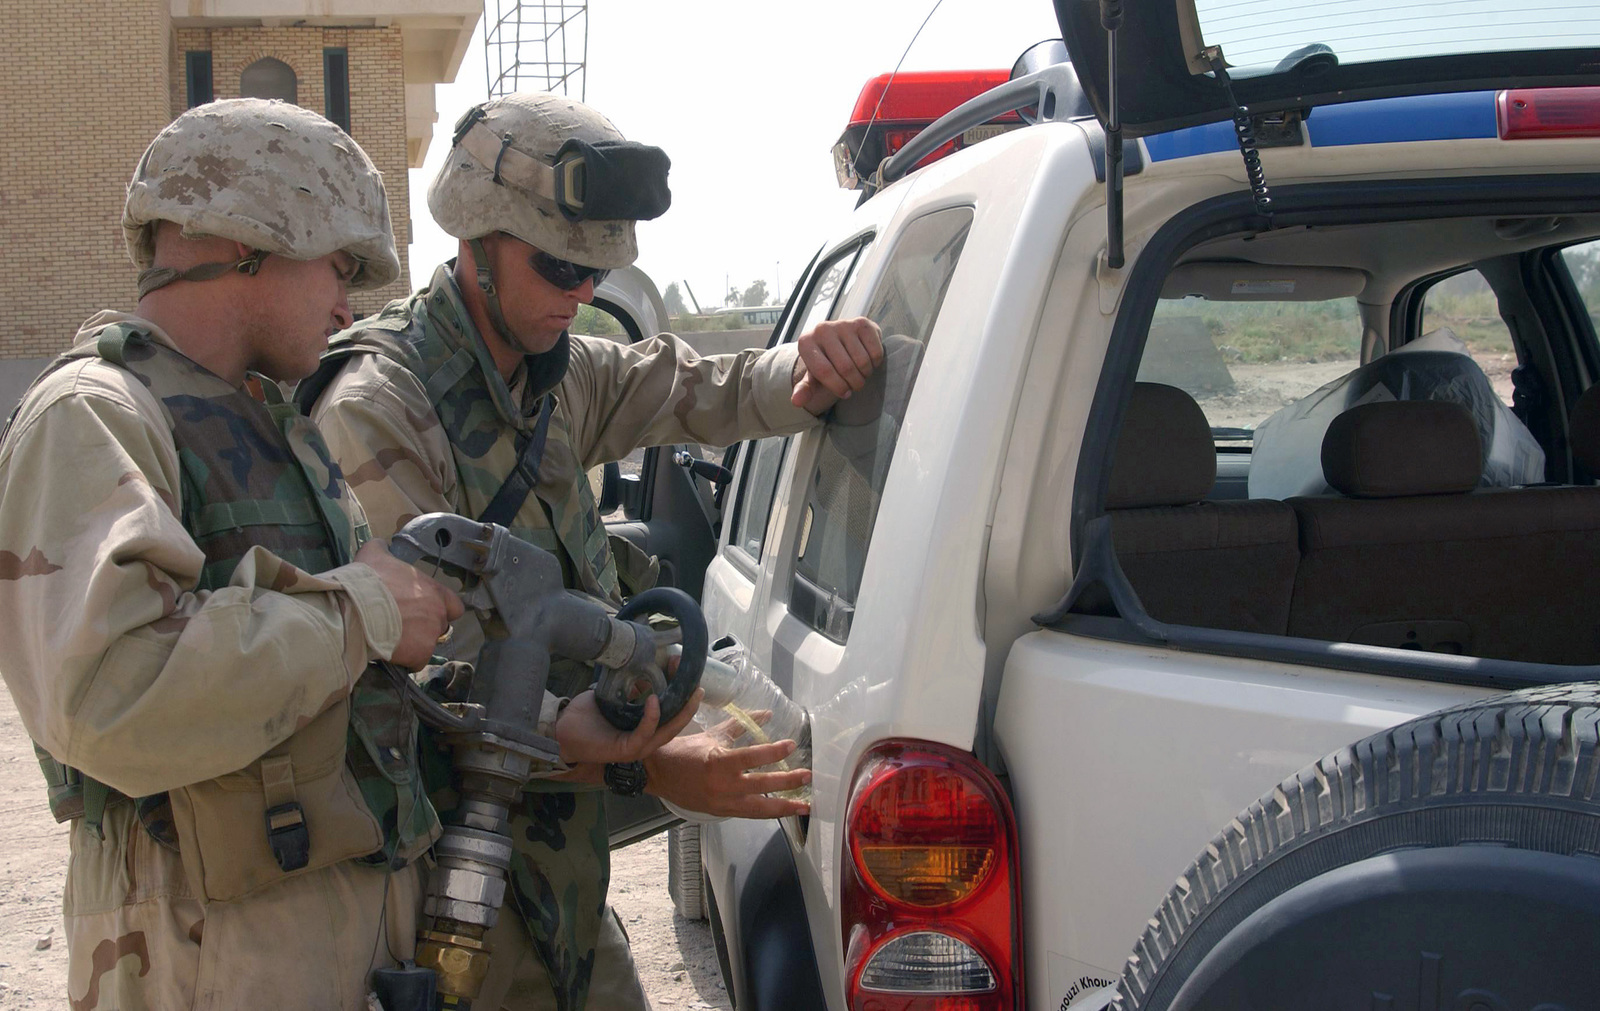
(85,86)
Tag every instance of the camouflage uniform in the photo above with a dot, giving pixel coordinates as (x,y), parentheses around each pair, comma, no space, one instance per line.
(163,665)
(420,421)
(244,789)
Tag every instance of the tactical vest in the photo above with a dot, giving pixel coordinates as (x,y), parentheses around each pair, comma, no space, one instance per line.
(429,336)
(345,786)
(561,865)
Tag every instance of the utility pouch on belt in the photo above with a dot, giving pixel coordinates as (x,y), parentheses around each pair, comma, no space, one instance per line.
(302,793)
(72,794)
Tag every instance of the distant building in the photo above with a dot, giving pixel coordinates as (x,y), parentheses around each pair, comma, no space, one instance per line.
(87,84)
(754,315)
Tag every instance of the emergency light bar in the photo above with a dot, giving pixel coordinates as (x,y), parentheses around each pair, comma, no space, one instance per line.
(893,108)
(1544,113)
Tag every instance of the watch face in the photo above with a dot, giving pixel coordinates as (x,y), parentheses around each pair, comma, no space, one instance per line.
(625,778)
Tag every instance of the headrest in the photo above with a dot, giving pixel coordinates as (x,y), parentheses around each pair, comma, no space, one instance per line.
(1165,455)
(1585,430)
(1397,448)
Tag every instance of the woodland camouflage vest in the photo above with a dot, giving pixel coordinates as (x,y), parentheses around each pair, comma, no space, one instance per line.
(430,336)
(561,864)
(260,475)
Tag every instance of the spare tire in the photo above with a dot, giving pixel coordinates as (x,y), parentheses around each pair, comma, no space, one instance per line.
(1451,863)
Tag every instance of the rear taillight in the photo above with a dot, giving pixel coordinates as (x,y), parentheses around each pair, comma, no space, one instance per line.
(1539,113)
(930,893)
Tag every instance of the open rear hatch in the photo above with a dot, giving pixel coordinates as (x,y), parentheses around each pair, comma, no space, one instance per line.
(1288,54)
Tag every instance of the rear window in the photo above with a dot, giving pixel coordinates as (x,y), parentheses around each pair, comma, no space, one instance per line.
(1259,33)
(1243,361)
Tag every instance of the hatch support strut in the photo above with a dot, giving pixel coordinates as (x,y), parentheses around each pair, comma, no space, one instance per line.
(1111,21)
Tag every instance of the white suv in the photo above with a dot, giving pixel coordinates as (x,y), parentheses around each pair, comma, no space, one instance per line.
(1156,555)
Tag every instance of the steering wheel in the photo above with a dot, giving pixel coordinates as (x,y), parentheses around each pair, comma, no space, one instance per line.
(614,689)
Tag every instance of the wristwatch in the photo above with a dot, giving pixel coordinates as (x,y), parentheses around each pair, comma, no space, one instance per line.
(626,779)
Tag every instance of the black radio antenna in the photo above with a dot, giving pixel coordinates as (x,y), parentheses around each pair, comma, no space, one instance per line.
(890,82)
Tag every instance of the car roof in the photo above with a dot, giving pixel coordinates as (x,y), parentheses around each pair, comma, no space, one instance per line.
(1401,47)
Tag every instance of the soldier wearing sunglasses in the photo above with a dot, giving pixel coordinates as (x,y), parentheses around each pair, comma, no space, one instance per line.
(472,397)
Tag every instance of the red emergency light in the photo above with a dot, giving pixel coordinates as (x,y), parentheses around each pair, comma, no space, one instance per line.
(1543,113)
(893,108)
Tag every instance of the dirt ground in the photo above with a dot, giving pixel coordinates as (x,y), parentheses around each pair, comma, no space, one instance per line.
(1260,390)
(676,958)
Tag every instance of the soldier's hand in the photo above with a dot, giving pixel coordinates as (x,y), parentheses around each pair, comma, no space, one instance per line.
(700,773)
(835,360)
(426,608)
(585,735)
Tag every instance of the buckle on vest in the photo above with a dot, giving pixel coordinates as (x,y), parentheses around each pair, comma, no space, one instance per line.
(287,836)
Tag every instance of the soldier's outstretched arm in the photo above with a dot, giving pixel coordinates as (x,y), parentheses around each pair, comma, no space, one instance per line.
(116,667)
(660,391)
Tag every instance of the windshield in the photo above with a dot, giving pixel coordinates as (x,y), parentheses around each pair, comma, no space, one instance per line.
(1259,33)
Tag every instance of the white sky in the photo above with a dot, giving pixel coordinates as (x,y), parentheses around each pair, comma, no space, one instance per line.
(747,99)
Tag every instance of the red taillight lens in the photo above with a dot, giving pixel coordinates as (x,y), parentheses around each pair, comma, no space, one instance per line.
(1539,113)
(925,836)
(931,885)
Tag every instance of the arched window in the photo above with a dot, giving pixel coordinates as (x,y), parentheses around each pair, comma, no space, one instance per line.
(269,78)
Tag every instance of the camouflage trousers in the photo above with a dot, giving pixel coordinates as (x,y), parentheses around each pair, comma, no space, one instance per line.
(519,981)
(138,939)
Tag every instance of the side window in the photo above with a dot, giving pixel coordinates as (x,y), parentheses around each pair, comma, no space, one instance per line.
(754,506)
(831,280)
(760,487)
(1464,304)
(844,488)
(1583,261)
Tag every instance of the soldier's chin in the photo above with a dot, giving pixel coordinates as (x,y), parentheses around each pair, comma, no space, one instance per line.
(290,371)
(539,342)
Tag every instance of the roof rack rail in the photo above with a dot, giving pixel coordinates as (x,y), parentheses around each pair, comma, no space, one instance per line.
(1054,91)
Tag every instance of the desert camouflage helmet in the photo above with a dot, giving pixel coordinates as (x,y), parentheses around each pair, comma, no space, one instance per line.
(274,176)
(496,179)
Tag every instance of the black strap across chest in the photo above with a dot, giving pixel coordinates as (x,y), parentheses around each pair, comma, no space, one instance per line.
(507,502)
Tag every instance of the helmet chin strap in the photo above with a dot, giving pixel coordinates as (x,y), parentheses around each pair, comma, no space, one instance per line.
(156,278)
(491,294)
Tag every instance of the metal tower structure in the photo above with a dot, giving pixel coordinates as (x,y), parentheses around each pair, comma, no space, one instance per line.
(536,46)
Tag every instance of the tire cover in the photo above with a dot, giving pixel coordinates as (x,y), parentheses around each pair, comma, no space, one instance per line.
(1484,815)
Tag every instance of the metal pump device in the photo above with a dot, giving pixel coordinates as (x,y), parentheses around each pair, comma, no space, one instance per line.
(528,617)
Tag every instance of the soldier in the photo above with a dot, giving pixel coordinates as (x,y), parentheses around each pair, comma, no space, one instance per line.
(472,397)
(242,780)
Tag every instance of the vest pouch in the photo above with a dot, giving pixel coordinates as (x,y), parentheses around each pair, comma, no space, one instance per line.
(223,823)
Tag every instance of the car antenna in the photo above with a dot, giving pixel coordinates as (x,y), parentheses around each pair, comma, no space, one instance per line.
(1111,21)
(885,93)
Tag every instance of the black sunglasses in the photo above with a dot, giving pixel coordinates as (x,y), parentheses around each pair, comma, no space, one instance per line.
(565,274)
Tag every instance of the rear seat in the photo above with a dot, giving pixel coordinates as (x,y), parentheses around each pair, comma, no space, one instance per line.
(1416,557)
(1215,564)
(1584,431)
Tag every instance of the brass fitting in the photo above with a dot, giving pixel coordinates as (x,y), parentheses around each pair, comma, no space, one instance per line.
(462,962)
